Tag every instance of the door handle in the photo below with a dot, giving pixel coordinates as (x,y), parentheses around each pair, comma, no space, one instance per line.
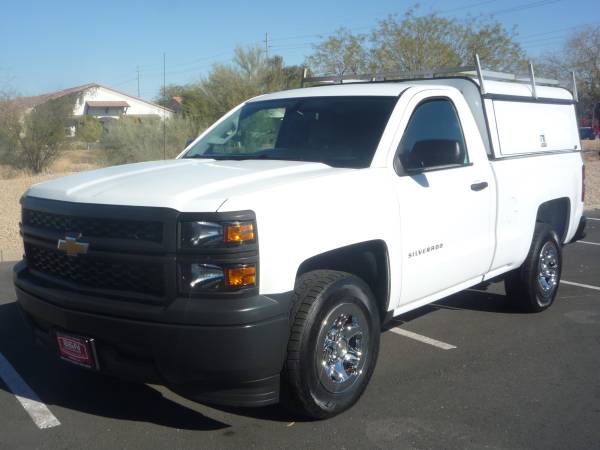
(479,186)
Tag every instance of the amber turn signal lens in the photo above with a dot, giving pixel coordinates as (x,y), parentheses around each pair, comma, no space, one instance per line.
(236,277)
(239,232)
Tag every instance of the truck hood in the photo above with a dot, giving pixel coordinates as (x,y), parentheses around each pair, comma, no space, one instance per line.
(183,184)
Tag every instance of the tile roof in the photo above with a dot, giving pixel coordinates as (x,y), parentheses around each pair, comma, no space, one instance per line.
(30,102)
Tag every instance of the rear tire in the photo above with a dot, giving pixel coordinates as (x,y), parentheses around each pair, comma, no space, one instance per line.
(333,344)
(534,285)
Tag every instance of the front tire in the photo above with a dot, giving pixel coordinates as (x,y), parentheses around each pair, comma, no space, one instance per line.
(333,344)
(534,285)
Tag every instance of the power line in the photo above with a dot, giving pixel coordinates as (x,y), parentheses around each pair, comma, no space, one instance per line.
(524,7)
(543,39)
(544,33)
(294,46)
(188,62)
(324,34)
(530,5)
(121,83)
(268,40)
(559,31)
(283,46)
(460,8)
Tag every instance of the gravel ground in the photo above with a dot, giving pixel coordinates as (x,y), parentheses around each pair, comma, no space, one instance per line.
(11,190)
(591,158)
(592,184)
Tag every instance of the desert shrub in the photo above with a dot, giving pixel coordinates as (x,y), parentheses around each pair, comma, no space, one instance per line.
(9,124)
(32,139)
(130,139)
(88,130)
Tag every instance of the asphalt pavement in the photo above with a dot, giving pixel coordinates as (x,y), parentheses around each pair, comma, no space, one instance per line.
(468,372)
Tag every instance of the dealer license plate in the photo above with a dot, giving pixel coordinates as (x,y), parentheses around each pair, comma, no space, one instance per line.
(77,350)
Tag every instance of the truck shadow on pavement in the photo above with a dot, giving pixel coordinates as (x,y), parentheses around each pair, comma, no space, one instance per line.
(56,383)
(474,299)
(76,389)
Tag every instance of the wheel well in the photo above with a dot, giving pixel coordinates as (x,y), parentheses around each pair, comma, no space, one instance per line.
(556,214)
(366,260)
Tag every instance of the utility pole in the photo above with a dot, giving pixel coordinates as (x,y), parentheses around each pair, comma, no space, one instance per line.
(164,110)
(267,45)
(138,79)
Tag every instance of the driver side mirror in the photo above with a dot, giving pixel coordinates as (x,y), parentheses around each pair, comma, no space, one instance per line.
(432,153)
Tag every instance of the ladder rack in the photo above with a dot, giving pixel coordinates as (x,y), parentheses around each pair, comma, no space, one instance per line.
(474,71)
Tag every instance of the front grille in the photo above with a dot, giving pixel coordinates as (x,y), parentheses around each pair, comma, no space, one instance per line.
(95,227)
(97,273)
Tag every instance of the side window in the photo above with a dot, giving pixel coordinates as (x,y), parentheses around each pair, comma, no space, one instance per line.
(433,138)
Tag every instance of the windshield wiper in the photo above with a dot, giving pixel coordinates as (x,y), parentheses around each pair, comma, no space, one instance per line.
(243,157)
(263,156)
(198,156)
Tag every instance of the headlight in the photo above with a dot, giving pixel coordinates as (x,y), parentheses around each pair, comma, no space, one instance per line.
(199,234)
(217,254)
(205,276)
(200,277)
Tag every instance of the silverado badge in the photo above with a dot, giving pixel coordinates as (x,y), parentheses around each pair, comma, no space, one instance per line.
(72,247)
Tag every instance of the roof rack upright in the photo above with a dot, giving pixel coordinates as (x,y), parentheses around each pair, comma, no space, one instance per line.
(475,71)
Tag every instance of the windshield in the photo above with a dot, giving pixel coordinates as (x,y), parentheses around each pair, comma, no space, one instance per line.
(338,131)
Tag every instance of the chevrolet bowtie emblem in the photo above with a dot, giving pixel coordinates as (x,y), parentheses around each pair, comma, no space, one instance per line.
(72,247)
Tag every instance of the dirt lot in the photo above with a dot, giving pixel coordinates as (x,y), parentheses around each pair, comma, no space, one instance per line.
(13,184)
(591,157)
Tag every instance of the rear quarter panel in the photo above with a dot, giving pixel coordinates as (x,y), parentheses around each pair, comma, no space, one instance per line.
(523,184)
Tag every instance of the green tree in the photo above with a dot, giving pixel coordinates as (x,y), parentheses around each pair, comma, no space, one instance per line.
(128,139)
(413,42)
(496,46)
(9,126)
(277,76)
(343,53)
(581,54)
(37,135)
(170,91)
(228,85)
(89,130)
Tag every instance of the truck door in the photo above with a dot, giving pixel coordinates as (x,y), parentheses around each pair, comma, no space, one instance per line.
(446,197)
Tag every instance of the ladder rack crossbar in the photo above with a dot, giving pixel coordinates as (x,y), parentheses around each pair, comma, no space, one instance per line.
(474,71)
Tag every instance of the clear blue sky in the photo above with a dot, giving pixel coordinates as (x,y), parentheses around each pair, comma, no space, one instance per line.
(47,45)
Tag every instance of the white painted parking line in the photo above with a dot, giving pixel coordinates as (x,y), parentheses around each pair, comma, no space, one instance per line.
(588,242)
(421,338)
(592,218)
(587,286)
(39,412)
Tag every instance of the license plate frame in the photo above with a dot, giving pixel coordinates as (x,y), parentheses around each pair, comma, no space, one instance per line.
(78,350)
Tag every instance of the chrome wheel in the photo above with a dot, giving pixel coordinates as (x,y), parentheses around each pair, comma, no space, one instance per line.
(342,347)
(548,270)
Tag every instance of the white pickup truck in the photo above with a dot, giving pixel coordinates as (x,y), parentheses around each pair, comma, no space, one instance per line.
(261,264)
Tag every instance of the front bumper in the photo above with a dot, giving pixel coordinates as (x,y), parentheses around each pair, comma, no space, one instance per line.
(224,360)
